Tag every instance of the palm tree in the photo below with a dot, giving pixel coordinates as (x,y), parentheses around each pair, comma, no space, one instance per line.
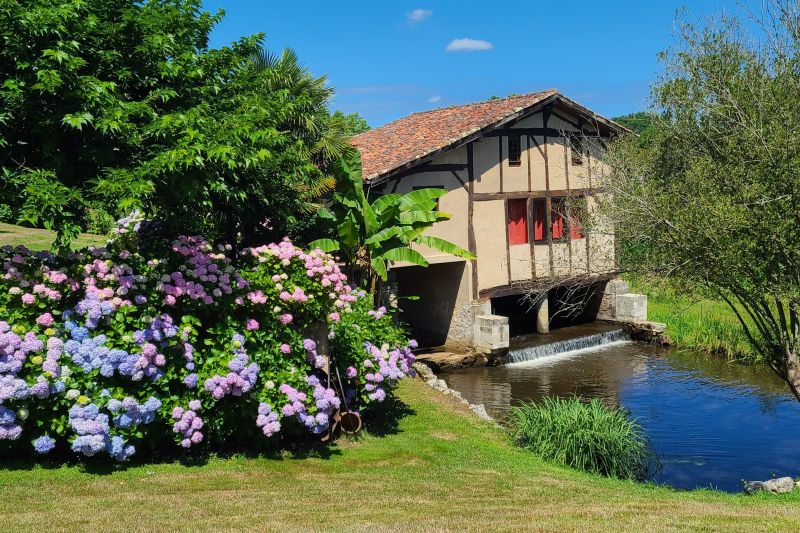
(307,118)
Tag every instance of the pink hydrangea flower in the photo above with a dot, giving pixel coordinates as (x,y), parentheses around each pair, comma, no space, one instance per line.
(252,324)
(45,320)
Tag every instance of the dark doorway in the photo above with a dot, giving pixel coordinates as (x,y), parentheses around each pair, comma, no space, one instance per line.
(428,297)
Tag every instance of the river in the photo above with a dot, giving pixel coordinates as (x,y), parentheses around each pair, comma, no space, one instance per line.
(711,422)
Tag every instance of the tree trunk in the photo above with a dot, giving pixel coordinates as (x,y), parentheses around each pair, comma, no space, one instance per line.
(793,371)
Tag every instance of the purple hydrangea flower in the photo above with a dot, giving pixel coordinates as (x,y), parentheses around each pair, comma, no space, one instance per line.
(44,445)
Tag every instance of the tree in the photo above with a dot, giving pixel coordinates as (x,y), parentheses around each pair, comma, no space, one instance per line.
(372,234)
(713,198)
(351,124)
(639,122)
(325,137)
(122,104)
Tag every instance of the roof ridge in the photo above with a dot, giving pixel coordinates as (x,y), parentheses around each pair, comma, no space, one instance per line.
(423,135)
(488,100)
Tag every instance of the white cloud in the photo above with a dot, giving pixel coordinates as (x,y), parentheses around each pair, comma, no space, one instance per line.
(418,15)
(468,45)
(434,99)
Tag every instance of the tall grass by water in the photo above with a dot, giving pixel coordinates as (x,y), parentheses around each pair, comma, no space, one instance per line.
(588,436)
(694,320)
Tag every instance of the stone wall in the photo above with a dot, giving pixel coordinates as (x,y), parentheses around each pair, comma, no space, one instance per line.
(620,305)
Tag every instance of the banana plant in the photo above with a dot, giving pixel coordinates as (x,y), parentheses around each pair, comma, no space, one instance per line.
(370,235)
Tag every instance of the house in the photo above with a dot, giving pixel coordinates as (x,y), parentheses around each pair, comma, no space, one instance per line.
(520,173)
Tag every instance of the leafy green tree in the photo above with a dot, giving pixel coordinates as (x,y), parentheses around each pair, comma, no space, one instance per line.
(639,122)
(351,124)
(121,104)
(369,235)
(714,198)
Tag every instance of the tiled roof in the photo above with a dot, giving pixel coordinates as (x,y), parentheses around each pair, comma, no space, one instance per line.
(410,138)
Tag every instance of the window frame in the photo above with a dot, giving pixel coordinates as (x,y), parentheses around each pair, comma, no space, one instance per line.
(559,209)
(517,162)
(540,205)
(576,149)
(576,207)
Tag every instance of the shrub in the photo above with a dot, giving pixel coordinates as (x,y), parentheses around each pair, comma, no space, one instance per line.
(228,141)
(162,346)
(587,436)
(99,221)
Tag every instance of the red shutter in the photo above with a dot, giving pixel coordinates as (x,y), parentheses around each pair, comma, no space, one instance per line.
(517,221)
(539,220)
(557,219)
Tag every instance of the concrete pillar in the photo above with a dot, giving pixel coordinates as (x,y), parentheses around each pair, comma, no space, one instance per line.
(543,314)
(631,307)
(608,305)
(491,335)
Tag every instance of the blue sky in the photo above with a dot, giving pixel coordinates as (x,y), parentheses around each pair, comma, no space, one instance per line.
(387,59)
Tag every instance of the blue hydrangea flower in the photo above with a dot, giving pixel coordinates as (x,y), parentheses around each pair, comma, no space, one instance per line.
(44,444)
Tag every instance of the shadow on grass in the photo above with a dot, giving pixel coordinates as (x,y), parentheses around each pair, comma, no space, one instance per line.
(102,465)
(386,421)
(294,444)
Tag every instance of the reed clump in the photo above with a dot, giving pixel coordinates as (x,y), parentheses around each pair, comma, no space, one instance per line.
(586,435)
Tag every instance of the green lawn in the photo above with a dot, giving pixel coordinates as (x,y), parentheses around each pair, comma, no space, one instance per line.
(693,321)
(41,239)
(440,468)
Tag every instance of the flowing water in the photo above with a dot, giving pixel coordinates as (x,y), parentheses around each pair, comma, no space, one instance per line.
(712,423)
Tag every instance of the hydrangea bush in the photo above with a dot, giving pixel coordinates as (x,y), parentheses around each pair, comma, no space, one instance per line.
(173,346)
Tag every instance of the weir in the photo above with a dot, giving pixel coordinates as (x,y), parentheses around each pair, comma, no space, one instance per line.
(561,341)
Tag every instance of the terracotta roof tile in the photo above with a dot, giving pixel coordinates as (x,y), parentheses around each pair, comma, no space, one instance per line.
(410,138)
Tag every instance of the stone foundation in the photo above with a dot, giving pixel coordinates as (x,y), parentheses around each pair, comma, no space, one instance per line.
(460,335)
(620,305)
(631,307)
(491,335)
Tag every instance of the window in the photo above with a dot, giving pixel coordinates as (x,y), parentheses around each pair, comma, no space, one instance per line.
(539,220)
(514,151)
(557,218)
(517,221)
(576,148)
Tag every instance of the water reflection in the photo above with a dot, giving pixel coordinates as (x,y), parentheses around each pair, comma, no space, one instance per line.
(711,422)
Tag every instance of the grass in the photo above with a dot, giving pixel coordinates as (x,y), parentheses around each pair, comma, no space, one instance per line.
(439,468)
(588,436)
(41,239)
(694,321)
